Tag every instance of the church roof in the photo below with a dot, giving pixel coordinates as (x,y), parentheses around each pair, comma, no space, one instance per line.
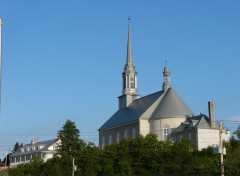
(154,106)
(132,112)
(171,105)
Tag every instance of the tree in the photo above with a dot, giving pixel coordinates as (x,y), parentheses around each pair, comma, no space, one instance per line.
(32,168)
(16,147)
(70,141)
(71,146)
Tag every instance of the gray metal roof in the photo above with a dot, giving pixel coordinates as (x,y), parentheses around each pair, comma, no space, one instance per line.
(171,105)
(132,112)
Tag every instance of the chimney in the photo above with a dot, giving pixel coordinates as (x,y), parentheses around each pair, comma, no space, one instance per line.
(211,111)
(33,141)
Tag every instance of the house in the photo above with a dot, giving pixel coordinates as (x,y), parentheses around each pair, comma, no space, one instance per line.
(44,150)
(163,113)
(202,130)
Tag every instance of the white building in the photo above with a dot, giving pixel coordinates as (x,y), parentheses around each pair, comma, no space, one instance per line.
(162,113)
(203,131)
(43,150)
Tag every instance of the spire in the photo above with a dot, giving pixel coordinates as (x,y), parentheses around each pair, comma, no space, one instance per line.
(129,74)
(129,47)
(166,78)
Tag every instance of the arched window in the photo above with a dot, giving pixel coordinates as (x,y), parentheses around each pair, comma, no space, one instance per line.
(110,139)
(118,137)
(126,134)
(166,132)
(103,142)
(134,132)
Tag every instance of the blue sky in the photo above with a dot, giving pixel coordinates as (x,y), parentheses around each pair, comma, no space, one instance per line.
(63,60)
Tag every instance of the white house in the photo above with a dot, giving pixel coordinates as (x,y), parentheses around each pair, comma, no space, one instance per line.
(203,131)
(43,150)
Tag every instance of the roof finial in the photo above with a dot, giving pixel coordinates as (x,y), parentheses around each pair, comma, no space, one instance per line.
(165,62)
(129,19)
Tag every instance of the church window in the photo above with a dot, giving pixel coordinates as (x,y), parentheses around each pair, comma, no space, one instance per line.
(110,139)
(190,136)
(103,142)
(125,133)
(166,132)
(132,83)
(134,132)
(118,137)
(127,81)
(180,137)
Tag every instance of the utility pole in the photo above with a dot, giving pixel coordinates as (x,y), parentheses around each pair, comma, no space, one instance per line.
(74,168)
(0,61)
(221,148)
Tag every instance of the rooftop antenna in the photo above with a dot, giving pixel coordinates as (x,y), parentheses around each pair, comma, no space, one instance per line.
(0,62)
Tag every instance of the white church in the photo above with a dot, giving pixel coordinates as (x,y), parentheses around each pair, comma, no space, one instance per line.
(163,113)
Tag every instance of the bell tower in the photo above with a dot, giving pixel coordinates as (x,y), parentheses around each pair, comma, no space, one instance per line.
(129,77)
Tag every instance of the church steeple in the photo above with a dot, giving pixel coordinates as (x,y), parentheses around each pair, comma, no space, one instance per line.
(129,77)
(166,78)
(129,74)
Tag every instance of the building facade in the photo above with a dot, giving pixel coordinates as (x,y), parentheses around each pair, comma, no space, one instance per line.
(162,113)
(43,150)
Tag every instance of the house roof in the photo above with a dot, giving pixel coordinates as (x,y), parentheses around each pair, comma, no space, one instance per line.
(45,144)
(157,105)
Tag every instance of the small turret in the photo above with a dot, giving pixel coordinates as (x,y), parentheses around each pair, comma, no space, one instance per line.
(166,78)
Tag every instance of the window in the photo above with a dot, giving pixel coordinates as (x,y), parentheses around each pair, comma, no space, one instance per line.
(118,137)
(125,133)
(190,136)
(134,132)
(180,137)
(127,81)
(110,139)
(166,132)
(103,142)
(132,83)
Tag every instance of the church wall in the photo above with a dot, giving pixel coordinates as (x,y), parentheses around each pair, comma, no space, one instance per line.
(144,127)
(157,126)
(113,135)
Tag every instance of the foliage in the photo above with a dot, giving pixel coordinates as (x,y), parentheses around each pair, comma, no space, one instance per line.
(70,144)
(33,168)
(138,156)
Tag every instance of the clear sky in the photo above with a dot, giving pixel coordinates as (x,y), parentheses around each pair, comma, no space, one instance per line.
(63,60)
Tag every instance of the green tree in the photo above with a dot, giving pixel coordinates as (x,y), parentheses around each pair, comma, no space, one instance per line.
(88,160)
(71,146)
(16,147)
(53,167)
(70,141)
(33,168)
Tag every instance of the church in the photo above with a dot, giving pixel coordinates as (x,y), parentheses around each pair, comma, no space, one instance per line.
(163,113)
